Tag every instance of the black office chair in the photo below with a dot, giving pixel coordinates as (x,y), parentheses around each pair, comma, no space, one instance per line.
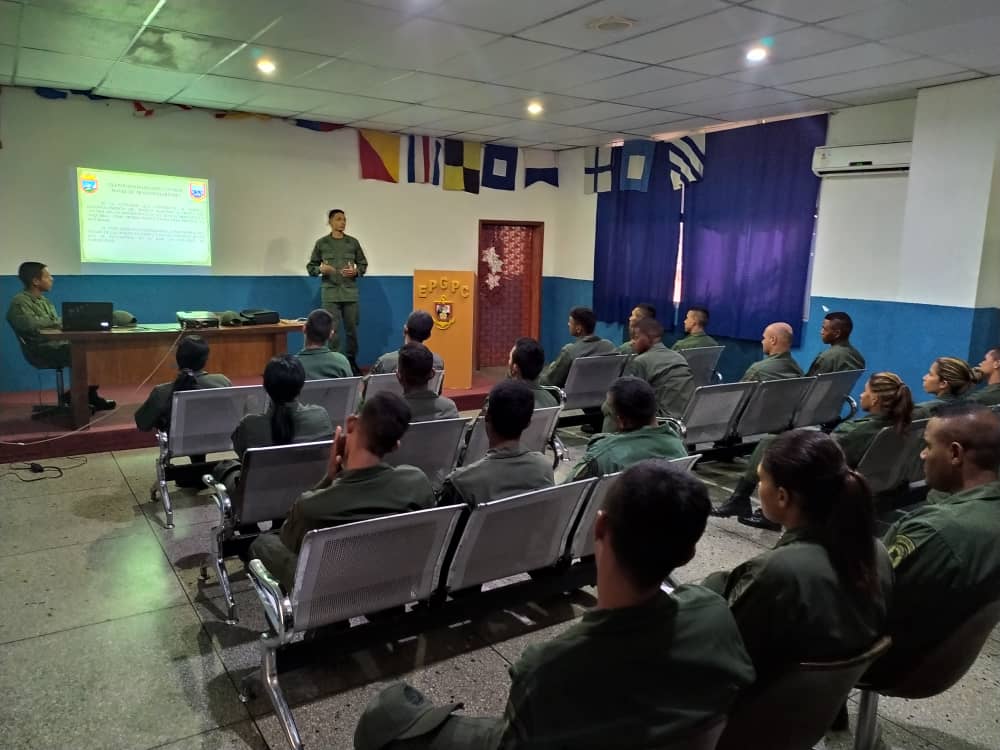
(43,411)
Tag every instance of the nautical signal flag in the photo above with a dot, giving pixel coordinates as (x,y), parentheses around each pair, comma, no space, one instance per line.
(462,164)
(597,174)
(379,155)
(423,159)
(499,166)
(687,159)
(540,166)
(637,164)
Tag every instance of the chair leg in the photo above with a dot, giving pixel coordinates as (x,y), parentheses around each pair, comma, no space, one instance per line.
(223,575)
(269,678)
(866,733)
(161,480)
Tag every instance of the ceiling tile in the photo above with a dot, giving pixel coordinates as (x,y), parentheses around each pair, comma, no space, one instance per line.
(385,127)
(517,129)
(502,16)
(420,43)
(477,96)
(348,107)
(424,130)
(74,35)
(416,87)
(755,98)
(286,98)
(571,30)
(678,127)
(984,33)
(702,34)
(986,59)
(778,110)
(602,139)
(330,27)
(811,11)
(9,15)
(640,120)
(468,121)
(635,82)
(477,137)
(842,61)
(123,11)
(193,101)
(552,147)
(347,77)
(39,68)
(230,19)
(414,115)
(570,71)
(898,17)
(887,75)
(129,81)
(218,89)
(179,51)
(6,63)
(288,65)
(592,113)
(500,58)
(519,142)
(259,109)
(404,6)
(552,103)
(905,91)
(561,134)
(707,88)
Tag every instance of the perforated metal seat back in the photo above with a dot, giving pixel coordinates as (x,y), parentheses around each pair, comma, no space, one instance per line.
(369,566)
(687,463)
(432,447)
(772,406)
(589,379)
(713,408)
(515,535)
(582,543)
(539,432)
(339,396)
(825,401)
(703,361)
(203,420)
(884,464)
(273,477)
(478,443)
(387,381)
(914,445)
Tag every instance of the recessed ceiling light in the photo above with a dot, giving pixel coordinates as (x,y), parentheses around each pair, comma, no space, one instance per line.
(535,108)
(265,65)
(610,23)
(756,54)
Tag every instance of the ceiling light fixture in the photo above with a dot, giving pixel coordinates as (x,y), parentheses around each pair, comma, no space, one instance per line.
(610,23)
(535,108)
(265,65)
(757,54)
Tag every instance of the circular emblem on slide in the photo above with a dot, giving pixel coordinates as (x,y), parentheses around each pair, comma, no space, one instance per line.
(88,183)
(198,190)
(443,313)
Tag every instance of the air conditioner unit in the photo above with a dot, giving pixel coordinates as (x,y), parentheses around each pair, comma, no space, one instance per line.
(872,158)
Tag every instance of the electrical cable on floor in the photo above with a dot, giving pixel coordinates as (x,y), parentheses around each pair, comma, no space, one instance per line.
(42,469)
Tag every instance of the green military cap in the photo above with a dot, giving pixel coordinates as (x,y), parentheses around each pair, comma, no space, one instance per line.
(230,318)
(122,319)
(399,712)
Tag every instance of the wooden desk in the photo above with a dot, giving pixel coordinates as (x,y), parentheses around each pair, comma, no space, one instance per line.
(124,356)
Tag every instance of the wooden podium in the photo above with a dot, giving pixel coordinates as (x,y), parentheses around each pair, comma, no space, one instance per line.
(450,298)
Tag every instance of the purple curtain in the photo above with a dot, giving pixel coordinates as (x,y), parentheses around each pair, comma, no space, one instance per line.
(748,226)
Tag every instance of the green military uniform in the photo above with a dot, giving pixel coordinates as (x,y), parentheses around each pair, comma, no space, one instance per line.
(544,398)
(988,396)
(389,362)
(608,453)
(773,367)
(426,406)
(947,564)
(627,349)
(28,315)
(153,412)
(355,495)
(556,372)
(321,363)
(695,341)
(927,409)
(340,293)
(791,605)
(837,358)
(502,472)
(669,374)
(310,422)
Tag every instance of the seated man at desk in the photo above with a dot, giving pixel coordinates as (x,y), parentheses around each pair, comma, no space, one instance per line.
(30,312)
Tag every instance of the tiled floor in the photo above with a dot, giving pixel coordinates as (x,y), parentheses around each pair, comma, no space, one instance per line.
(109,640)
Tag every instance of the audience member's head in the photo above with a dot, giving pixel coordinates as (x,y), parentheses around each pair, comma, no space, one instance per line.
(192,353)
(651,520)
(640,311)
(318,327)
(527,358)
(418,327)
(416,366)
(648,333)
(989,368)
(337,219)
(696,320)
(806,483)
(777,339)
(633,403)
(886,395)
(961,447)
(508,411)
(379,427)
(284,377)
(949,376)
(837,326)
(582,321)
(35,275)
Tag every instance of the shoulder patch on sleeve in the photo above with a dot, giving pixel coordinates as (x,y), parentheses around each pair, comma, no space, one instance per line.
(902,547)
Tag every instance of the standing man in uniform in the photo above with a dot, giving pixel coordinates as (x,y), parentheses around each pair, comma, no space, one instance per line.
(840,356)
(339,260)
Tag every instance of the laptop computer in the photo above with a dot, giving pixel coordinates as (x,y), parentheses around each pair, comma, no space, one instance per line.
(87,316)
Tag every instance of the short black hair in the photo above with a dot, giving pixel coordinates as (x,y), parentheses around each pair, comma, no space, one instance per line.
(650,327)
(333,211)
(976,428)
(416,365)
(284,377)
(843,321)
(656,513)
(585,317)
(319,326)
(29,271)
(647,309)
(509,409)
(385,417)
(192,353)
(419,325)
(700,313)
(529,357)
(633,400)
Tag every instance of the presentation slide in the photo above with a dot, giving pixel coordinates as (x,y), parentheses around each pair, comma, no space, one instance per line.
(129,220)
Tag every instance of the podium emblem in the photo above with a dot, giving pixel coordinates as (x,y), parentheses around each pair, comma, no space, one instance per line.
(443,313)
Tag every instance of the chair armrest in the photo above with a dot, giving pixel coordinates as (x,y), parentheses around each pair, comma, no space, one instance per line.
(854,408)
(277,606)
(678,424)
(221,497)
(163,441)
(558,392)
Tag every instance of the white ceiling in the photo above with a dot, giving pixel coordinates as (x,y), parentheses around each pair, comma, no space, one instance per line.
(468,67)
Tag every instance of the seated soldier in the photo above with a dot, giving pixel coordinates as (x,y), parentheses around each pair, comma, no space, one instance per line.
(840,356)
(507,468)
(30,312)
(777,364)
(945,554)
(640,311)
(525,363)
(417,330)
(414,370)
(642,669)
(694,326)
(667,371)
(989,373)
(581,324)
(633,404)
(949,380)
(318,360)
(358,485)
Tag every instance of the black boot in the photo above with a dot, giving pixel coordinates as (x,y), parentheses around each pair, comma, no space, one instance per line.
(758,520)
(738,504)
(98,401)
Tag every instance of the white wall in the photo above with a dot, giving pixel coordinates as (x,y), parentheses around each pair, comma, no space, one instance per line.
(272,185)
(988,293)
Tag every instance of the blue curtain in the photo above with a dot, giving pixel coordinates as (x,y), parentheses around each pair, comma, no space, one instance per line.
(748,226)
(635,249)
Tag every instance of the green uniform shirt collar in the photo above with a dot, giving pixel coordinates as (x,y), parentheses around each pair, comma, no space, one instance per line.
(350,476)
(658,607)
(589,338)
(318,350)
(650,429)
(991,388)
(426,393)
(508,452)
(782,355)
(791,536)
(989,491)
